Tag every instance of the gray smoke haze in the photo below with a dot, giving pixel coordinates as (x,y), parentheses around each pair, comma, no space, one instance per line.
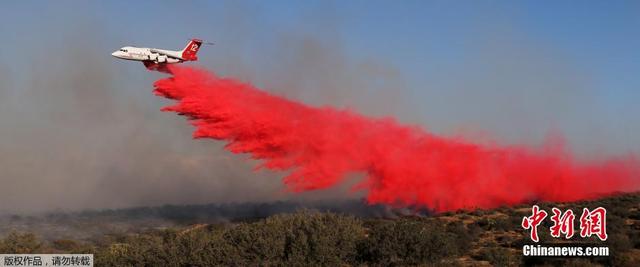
(78,135)
(79,129)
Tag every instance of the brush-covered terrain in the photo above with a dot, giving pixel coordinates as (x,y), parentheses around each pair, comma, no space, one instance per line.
(342,234)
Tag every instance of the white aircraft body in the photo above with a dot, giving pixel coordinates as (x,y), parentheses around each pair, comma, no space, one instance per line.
(154,58)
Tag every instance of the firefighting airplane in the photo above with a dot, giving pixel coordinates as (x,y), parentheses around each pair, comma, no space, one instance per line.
(157,59)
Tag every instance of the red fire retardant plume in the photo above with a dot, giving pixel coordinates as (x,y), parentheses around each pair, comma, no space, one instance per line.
(402,165)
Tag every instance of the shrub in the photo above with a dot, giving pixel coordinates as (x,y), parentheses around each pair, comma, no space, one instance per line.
(20,243)
(304,238)
(498,256)
(410,242)
(71,246)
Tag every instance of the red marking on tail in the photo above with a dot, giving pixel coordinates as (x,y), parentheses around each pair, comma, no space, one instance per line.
(190,51)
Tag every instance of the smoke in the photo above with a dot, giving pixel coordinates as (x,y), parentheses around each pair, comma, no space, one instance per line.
(403,165)
(94,225)
(78,131)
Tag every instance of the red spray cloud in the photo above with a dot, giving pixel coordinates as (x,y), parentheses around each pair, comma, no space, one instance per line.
(403,165)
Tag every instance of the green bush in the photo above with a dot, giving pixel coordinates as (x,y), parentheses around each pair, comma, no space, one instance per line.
(71,246)
(305,238)
(499,256)
(410,242)
(19,243)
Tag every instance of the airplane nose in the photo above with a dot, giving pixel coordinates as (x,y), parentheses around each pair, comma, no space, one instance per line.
(118,54)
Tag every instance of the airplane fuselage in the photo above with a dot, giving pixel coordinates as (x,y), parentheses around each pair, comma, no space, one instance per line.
(148,54)
(154,58)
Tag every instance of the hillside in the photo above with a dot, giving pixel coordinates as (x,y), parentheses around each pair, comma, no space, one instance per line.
(346,233)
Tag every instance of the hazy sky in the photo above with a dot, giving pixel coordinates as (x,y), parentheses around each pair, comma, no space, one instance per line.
(81,129)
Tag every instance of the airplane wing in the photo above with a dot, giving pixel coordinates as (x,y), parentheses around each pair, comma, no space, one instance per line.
(168,53)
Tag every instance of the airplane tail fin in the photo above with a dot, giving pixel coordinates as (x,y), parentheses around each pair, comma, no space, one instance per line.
(189,52)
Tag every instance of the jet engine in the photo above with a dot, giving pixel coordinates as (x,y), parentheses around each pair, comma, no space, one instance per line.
(162,59)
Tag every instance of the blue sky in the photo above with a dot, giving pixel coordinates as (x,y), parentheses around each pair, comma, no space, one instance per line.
(440,48)
(602,36)
(416,36)
(511,70)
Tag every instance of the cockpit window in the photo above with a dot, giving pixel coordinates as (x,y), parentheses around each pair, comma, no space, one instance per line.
(123,50)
